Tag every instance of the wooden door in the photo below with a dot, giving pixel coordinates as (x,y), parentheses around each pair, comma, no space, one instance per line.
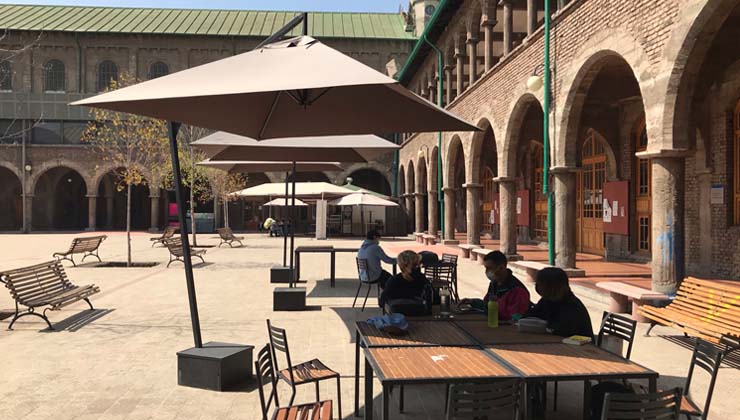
(590,196)
(489,188)
(540,200)
(642,183)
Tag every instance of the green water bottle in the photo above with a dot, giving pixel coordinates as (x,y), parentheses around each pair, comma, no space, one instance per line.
(493,313)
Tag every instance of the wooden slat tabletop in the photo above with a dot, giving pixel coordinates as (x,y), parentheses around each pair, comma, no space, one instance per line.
(504,334)
(421,333)
(437,363)
(564,360)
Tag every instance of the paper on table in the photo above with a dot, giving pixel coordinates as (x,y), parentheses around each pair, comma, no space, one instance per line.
(439,358)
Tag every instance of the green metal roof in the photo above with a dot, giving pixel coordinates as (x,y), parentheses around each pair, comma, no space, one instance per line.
(198,22)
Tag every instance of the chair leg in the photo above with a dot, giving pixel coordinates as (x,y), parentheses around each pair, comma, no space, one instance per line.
(318,396)
(554,396)
(400,400)
(357,294)
(339,399)
(369,286)
(447,396)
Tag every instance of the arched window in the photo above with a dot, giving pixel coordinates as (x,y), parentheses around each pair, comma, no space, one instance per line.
(6,75)
(158,69)
(736,166)
(54,79)
(107,71)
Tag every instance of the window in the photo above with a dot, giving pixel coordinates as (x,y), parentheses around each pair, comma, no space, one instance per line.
(11,131)
(158,69)
(6,76)
(47,132)
(736,166)
(107,71)
(73,131)
(54,79)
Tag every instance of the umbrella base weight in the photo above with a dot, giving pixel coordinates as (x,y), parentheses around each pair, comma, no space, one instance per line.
(215,366)
(289,299)
(280,274)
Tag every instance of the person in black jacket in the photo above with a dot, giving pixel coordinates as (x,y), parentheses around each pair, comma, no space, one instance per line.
(409,283)
(564,312)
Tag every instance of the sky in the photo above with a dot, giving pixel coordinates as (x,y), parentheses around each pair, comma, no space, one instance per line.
(293,5)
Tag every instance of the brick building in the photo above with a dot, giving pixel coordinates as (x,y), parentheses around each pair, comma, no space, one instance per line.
(52,55)
(644,128)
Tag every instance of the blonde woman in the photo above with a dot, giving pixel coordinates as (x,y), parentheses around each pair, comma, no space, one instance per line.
(409,283)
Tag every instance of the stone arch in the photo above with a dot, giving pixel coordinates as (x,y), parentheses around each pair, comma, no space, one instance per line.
(601,50)
(51,164)
(512,143)
(381,169)
(410,178)
(11,198)
(12,168)
(454,149)
(316,176)
(401,183)
(102,171)
(432,178)
(421,175)
(475,156)
(369,178)
(59,198)
(473,20)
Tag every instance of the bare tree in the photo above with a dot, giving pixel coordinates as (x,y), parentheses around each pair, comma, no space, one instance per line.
(194,175)
(133,145)
(224,185)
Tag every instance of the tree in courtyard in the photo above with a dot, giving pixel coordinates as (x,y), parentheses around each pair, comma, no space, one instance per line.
(223,185)
(133,145)
(194,175)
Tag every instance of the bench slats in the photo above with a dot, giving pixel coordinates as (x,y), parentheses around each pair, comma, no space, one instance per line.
(716,310)
(687,312)
(81,245)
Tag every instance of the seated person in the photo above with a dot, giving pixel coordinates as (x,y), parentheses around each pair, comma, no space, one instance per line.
(268,225)
(564,312)
(511,294)
(409,283)
(374,254)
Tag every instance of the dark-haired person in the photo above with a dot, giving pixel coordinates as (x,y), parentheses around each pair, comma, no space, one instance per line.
(512,296)
(565,314)
(374,254)
(409,283)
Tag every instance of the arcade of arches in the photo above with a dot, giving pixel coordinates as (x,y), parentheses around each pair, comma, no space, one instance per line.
(637,174)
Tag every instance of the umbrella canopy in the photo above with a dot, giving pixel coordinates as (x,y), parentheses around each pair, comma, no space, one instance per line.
(355,188)
(346,149)
(284,202)
(302,190)
(253,166)
(362,199)
(295,87)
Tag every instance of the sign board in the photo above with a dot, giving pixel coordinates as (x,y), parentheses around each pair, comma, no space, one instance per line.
(616,214)
(717,195)
(522,208)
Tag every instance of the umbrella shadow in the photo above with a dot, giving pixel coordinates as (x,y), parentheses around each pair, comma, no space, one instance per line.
(344,287)
(731,360)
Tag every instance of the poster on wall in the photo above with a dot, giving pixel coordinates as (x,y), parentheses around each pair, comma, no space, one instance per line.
(522,207)
(615,216)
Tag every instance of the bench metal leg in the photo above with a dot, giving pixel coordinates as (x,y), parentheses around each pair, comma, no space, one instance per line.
(652,325)
(91,254)
(89,303)
(29,312)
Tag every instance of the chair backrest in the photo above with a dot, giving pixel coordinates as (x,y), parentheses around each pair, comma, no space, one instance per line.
(265,373)
(33,283)
(707,357)
(619,327)
(450,258)
(664,405)
(471,401)
(279,343)
(362,269)
(441,272)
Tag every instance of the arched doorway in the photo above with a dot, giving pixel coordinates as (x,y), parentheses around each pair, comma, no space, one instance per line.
(590,223)
(642,186)
(421,183)
(111,204)
(11,200)
(461,198)
(488,171)
(539,200)
(372,180)
(60,201)
(489,198)
(411,198)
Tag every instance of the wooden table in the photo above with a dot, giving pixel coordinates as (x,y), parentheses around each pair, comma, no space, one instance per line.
(427,365)
(504,334)
(324,250)
(565,362)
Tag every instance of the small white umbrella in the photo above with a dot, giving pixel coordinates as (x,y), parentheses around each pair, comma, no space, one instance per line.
(362,198)
(283,202)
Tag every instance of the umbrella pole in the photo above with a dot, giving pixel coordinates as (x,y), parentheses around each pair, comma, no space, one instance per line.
(172,129)
(292,227)
(285,234)
(362,221)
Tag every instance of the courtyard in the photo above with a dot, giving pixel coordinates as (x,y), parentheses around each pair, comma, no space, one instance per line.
(118,361)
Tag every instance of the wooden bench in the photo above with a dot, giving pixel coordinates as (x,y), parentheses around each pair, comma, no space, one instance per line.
(169,232)
(702,308)
(429,239)
(174,245)
(466,250)
(479,254)
(43,285)
(419,237)
(622,293)
(88,246)
(227,237)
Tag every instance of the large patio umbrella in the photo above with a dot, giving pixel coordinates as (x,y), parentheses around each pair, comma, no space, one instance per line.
(362,198)
(302,190)
(283,202)
(292,88)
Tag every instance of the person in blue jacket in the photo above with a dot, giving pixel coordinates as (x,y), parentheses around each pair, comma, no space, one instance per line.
(374,254)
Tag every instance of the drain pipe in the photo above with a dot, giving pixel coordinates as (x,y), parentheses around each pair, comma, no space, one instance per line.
(546,140)
(440,89)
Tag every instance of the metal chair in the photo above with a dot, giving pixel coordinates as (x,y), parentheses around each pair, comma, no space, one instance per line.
(362,272)
(709,358)
(452,259)
(471,401)
(312,371)
(264,367)
(441,275)
(658,406)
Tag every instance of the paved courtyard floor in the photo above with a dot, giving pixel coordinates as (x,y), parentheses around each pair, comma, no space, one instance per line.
(119,362)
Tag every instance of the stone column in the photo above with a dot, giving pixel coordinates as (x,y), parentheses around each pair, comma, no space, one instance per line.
(449,213)
(419,207)
(508,26)
(531,16)
(92,208)
(109,212)
(448,83)
(508,222)
(433,212)
(667,223)
(154,210)
(432,93)
(488,44)
(411,209)
(28,213)
(564,187)
(459,56)
(473,212)
(472,59)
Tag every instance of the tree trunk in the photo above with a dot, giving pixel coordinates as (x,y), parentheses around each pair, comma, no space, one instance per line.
(226,213)
(192,211)
(128,224)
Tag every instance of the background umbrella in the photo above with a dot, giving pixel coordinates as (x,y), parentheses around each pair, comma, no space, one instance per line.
(363,198)
(283,202)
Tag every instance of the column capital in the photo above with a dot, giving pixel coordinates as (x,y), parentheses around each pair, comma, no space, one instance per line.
(472,40)
(489,22)
(30,195)
(663,153)
(91,196)
(419,194)
(472,186)
(449,189)
(449,68)
(564,169)
(503,179)
(504,3)
(432,192)
(155,195)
